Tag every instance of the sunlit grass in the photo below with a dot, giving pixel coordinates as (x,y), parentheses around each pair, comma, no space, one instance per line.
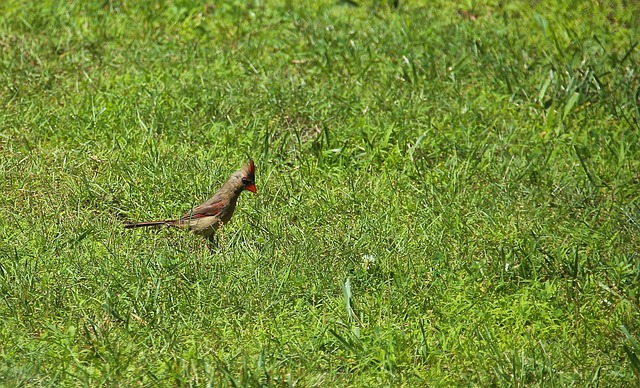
(447,194)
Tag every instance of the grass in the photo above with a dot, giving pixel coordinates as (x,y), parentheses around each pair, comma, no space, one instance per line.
(448,194)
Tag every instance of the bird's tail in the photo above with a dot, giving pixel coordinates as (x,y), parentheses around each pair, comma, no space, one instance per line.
(150,223)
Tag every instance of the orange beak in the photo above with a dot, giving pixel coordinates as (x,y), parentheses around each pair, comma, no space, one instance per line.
(252,188)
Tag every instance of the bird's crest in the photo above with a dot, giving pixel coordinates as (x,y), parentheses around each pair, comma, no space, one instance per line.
(250,168)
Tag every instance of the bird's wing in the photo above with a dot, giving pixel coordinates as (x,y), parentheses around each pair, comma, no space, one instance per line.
(204,210)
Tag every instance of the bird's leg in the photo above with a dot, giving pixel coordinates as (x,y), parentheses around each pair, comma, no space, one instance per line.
(214,239)
(220,225)
(214,242)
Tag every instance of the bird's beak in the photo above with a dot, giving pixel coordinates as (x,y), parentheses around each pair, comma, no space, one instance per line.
(252,188)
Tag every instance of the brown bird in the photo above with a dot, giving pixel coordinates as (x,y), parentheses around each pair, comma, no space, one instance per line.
(207,217)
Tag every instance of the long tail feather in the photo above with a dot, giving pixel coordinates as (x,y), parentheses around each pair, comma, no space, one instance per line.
(150,223)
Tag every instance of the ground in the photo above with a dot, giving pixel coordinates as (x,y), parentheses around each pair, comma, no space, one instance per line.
(448,193)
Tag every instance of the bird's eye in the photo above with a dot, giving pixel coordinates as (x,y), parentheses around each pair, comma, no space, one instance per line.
(246,181)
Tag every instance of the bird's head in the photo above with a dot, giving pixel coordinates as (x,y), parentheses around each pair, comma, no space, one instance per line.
(247,177)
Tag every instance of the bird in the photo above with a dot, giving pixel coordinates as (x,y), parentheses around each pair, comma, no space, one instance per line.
(207,217)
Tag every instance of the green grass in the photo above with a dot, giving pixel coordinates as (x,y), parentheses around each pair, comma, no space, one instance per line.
(448,194)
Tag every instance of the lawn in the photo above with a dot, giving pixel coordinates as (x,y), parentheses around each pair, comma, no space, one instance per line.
(448,193)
